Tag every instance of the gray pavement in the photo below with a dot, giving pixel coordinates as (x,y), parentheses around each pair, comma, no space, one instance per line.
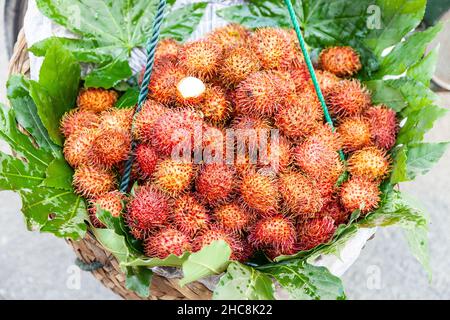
(39,266)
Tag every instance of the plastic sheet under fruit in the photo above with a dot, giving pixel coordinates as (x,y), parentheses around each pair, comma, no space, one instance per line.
(38,27)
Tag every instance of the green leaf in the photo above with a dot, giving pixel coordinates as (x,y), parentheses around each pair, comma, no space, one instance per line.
(242,282)
(128,99)
(180,23)
(211,259)
(390,20)
(417,239)
(109,74)
(113,242)
(303,281)
(139,280)
(383,93)
(415,93)
(52,96)
(171,261)
(423,156)
(407,53)
(424,70)
(398,173)
(59,175)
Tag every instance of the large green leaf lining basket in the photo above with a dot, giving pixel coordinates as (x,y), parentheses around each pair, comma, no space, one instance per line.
(90,252)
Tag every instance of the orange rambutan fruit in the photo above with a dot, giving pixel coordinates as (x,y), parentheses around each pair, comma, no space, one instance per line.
(190,91)
(299,116)
(230,36)
(165,242)
(173,176)
(215,106)
(300,194)
(76,120)
(301,77)
(146,211)
(175,129)
(260,192)
(370,162)
(262,93)
(146,158)
(342,61)
(327,81)
(96,99)
(277,232)
(146,118)
(315,231)
(383,126)
(208,236)
(279,155)
(213,145)
(77,147)
(334,210)
(189,216)
(90,181)
(110,201)
(273,47)
(348,98)
(164,81)
(359,193)
(325,133)
(354,133)
(167,50)
(118,119)
(215,184)
(237,65)
(201,58)
(232,217)
(110,147)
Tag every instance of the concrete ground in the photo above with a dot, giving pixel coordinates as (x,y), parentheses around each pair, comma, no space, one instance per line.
(40,266)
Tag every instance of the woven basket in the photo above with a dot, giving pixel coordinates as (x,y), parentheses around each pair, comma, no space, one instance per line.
(89,250)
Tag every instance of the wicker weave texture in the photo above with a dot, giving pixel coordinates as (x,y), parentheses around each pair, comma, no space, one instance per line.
(89,250)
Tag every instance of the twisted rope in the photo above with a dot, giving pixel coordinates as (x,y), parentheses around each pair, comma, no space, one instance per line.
(311,68)
(151,49)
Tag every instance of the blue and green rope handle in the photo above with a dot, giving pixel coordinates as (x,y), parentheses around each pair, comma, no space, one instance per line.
(151,49)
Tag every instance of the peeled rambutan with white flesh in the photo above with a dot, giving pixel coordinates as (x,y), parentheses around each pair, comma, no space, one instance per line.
(273,232)
(165,242)
(359,193)
(315,231)
(260,193)
(173,177)
(77,120)
(110,147)
(370,162)
(190,91)
(147,210)
(189,216)
(348,98)
(200,58)
(342,61)
(215,183)
(90,181)
(96,99)
(383,126)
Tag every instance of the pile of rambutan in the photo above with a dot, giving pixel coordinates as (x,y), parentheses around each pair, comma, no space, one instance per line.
(280,189)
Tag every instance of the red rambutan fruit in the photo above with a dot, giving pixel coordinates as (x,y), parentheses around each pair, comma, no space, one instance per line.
(96,99)
(359,193)
(232,217)
(147,210)
(110,201)
(315,231)
(77,147)
(215,234)
(327,81)
(190,91)
(167,49)
(76,120)
(383,126)
(230,36)
(215,183)
(370,162)
(273,47)
(146,158)
(166,242)
(273,253)
(238,64)
(201,58)
(173,176)
(348,98)
(110,147)
(299,117)
(334,210)
(325,133)
(189,216)
(164,81)
(300,194)
(213,144)
(301,77)
(262,93)
(173,129)
(342,61)
(146,118)
(354,132)
(118,119)
(275,232)
(215,106)
(260,192)
(279,156)
(91,181)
